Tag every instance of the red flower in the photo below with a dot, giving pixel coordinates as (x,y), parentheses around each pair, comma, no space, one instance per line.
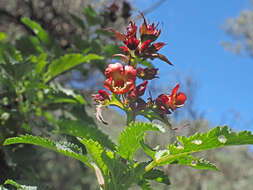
(176,99)
(149,31)
(120,79)
(165,102)
(101,96)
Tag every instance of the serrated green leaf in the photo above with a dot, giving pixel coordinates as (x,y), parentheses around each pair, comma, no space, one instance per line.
(77,20)
(148,150)
(145,185)
(158,176)
(215,138)
(198,163)
(129,139)
(64,148)
(152,115)
(18,186)
(85,130)
(118,169)
(95,150)
(67,62)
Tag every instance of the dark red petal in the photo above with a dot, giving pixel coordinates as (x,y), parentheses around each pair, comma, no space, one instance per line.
(124,49)
(131,29)
(175,89)
(162,57)
(144,45)
(117,34)
(158,45)
(143,28)
(141,88)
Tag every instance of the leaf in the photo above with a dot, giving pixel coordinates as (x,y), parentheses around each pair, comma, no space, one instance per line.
(17,69)
(38,30)
(2,36)
(145,63)
(145,185)
(77,20)
(64,148)
(148,150)
(114,101)
(129,140)
(18,186)
(59,94)
(84,130)
(110,49)
(152,115)
(29,45)
(158,176)
(198,163)
(3,188)
(41,63)
(118,170)
(67,62)
(95,150)
(215,138)
(91,16)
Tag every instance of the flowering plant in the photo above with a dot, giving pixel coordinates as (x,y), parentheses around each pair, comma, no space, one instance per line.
(113,163)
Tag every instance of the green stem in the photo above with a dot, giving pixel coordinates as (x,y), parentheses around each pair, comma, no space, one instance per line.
(150,166)
(130,116)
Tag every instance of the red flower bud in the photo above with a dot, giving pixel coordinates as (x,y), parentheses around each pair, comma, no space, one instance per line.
(138,91)
(101,96)
(138,105)
(147,73)
(161,103)
(132,43)
(148,31)
(165,102)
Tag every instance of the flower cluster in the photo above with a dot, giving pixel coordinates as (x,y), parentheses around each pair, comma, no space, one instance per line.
(121,79)
(143,47)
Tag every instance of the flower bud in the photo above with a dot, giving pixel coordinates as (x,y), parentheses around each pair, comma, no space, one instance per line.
(147,73)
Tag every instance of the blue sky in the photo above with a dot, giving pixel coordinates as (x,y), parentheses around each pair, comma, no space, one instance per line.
(193,34)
